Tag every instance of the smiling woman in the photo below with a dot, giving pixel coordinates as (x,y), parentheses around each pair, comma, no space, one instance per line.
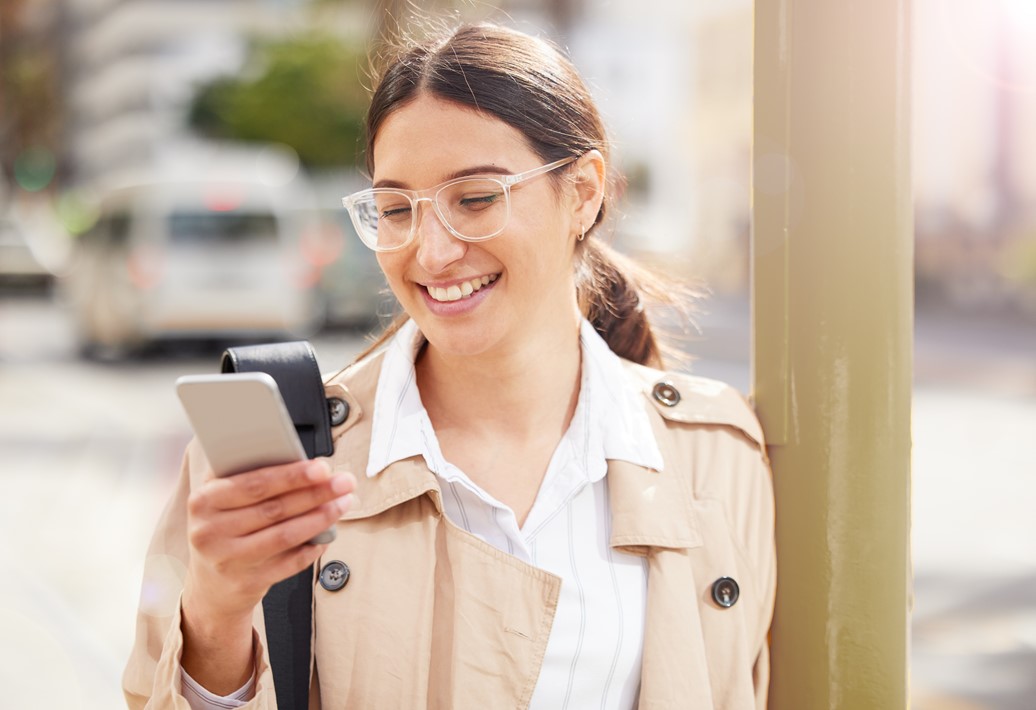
(543,519)
(525,242)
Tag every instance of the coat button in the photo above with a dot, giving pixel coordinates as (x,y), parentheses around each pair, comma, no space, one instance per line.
(666,393)
(725,592)
(334,575)
(338,409)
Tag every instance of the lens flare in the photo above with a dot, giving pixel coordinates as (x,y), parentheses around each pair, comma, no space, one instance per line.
(994,40)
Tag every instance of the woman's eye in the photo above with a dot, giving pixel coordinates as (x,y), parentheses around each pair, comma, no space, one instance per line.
(479,201)
(395,213)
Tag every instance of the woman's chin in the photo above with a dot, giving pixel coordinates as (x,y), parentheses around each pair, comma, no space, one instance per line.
(462,340)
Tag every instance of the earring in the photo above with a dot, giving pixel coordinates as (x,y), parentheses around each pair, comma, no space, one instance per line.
(582,233)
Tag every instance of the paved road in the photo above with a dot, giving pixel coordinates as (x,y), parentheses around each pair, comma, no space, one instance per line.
(88,452)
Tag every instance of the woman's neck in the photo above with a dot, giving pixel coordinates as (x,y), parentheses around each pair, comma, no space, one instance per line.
(526,389)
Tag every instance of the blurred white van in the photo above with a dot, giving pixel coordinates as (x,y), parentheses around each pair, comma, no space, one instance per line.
(20,265)
(219,258)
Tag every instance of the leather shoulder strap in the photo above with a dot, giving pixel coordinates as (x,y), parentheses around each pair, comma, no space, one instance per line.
(288,606)
(294,367)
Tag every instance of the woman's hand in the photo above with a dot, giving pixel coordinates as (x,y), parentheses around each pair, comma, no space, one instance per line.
(247,532)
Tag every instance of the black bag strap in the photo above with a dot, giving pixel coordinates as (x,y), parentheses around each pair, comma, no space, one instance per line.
(294,367)
(288,606)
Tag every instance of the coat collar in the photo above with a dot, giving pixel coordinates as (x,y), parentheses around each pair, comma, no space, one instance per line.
(649,509)
(608,422)
(403,480)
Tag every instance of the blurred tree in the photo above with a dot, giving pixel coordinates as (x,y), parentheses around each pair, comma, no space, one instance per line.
(308,93)
(30,108)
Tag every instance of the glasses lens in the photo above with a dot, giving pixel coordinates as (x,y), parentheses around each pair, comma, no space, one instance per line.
(475,208)
(383,218)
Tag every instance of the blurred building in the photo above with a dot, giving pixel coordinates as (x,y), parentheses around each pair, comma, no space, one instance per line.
(974,149)
(676,94)
(133,66)
(129,68)
(674,84)
(975,111)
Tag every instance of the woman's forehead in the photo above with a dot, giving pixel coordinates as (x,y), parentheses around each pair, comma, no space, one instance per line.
(432,137)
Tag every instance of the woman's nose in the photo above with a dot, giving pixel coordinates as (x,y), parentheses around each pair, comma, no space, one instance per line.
(437,248)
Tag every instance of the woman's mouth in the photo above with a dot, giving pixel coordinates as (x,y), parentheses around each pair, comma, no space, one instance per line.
(458,291)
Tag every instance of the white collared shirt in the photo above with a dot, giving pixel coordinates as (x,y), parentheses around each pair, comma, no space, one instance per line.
(593,654)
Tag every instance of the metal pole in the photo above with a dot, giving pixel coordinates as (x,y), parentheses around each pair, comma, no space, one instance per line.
(832,355)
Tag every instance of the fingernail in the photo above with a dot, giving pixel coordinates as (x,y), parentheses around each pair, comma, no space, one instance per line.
(342,483)
(346,502)
(318,470)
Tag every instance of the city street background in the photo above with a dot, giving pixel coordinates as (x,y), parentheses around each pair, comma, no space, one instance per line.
(89,451)
(239,95)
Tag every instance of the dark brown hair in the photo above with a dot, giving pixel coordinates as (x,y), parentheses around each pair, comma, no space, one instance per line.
(530,85)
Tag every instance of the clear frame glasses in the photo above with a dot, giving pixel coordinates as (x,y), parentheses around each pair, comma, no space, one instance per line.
(473,209)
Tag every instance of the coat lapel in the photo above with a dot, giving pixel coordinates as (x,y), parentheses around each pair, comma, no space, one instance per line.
(653,516)
(649,509)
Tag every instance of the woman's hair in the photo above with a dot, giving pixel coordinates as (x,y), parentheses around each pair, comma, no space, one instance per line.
(530,85)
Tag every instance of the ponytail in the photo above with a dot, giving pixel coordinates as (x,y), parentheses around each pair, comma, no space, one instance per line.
(615,294)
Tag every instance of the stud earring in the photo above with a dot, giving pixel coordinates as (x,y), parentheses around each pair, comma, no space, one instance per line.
(582,232)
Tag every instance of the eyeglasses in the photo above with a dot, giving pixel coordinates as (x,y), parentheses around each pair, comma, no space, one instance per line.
(473,209)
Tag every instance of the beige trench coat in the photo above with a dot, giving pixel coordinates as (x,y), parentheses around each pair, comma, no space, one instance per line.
(432,617)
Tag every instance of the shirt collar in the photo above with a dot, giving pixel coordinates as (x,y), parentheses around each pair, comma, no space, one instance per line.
(610,418)
(616,411)
(396,431)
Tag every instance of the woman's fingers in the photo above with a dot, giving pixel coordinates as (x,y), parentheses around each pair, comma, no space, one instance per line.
(298,501)
(243,568)
(245,520)
(267,556)
(251,530)
(274,539)
(251,487)
(293,561)
(292,532)
(224,512)
(247,489)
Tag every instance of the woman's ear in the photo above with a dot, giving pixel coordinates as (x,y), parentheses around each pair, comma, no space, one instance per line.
(590,177)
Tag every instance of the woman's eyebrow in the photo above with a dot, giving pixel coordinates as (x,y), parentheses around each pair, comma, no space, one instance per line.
(465,172)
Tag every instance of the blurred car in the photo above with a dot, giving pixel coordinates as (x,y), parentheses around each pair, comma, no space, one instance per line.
(19,264)
(352,285)
(193,259)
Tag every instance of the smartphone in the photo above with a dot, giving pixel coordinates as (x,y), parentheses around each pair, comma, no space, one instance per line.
(242,424)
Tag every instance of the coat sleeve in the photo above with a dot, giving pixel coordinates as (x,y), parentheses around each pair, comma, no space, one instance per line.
(151,680)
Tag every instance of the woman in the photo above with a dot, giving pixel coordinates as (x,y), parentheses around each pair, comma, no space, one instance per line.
(537,518)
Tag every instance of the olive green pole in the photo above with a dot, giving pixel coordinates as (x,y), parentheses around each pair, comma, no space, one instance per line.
(832,356)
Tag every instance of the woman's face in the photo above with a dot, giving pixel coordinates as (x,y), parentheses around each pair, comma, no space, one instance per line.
(522,288)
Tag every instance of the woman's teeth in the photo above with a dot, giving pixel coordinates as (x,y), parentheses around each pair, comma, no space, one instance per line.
(461,290)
